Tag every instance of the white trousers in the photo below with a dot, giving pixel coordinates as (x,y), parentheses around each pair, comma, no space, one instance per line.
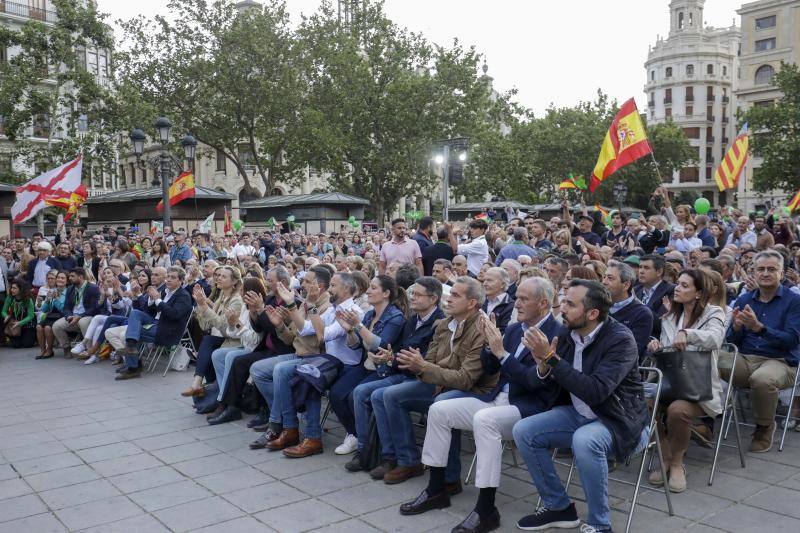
(490,423)
(116,336)
(95,327)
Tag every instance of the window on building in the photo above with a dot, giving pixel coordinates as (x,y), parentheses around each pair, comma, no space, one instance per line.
(41,125)
(692,133)
(680,21)
(668,96)
(709,157)
(668,112)
(691,19)
(765,22)
(690,70)
(724,70)
(221,160)
(102,64)
(91,61)
(709,135)
(668,72)
(689,110)
(763,103)
(709,69)
(6,168)
(764,75)
(83,122)
(121,174)
(690,94)
(3,54)
(131,178)
(709,113)
(689,175)
(2,125)
(652,100)
(37,9)
(709,93)
(246,156)
(652,75)
(765,44)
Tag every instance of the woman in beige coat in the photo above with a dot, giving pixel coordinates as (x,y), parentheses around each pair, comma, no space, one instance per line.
(693,323)
(211,315)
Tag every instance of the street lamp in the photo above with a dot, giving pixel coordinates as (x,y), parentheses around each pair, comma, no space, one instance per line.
(620,191)
(164,161)
(452,158)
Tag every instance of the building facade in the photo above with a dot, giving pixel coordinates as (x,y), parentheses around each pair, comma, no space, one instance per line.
(690,81)
(45,129)
(770,36)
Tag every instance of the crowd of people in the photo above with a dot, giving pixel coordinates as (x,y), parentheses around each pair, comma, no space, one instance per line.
(516,329)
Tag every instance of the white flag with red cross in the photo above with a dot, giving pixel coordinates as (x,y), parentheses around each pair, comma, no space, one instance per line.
(60,182)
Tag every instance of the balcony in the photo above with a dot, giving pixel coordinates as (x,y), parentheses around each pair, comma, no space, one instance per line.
(690,98)
(725,99)
(667,100)
(711,118)
(725,141)
(710,139)
(651,103)
(26,11)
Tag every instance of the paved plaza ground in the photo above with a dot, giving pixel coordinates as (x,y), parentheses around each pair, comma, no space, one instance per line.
(81,452)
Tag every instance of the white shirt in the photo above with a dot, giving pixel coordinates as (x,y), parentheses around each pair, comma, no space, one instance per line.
(335,336)
(244,249)
(476,252)
(749,237)
(452,326)
(40,273)
(577,363)
(686,244)
(492,303)
(648,293)
(167,295)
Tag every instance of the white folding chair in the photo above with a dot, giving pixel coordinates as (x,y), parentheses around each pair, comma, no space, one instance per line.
(508,445)
(151,353)
(728,412)
(653,442)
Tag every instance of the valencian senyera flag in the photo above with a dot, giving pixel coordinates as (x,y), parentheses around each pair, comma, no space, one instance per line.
(625,142)
(794,203)
(181,189)
(573,183)
(729,170)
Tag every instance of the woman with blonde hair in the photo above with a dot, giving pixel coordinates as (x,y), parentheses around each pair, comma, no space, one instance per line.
(211,315)
(563,242)
(114,303)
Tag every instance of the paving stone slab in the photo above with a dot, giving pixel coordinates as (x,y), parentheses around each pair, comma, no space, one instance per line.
(98,512)
(20,507)
(78,494)
(236,479)
(305,515)
(205,466)
(167,440)
(198,514)
(11,488)
(40,523)
(143,523)
(743,518)
(263,497)
(165,496)
(61,478)
(245,524)
(108,451)
(124,465)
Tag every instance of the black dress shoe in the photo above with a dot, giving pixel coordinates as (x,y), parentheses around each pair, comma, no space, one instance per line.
(425,503)
(230,414)
(262,441)
(261,419)
(122,369)
(210,408)
(453,489)
(473,523)
(130,373)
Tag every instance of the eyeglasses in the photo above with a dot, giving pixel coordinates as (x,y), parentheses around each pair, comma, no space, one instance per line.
(771,270)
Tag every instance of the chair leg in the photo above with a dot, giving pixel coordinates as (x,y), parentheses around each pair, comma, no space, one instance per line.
(325,414)
(471,467)
(735,404)
(738,438)
(664,476)
(788,413)
(513,450)
(172,353)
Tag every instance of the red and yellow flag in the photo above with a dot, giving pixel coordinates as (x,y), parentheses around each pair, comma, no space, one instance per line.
(794,203)
(70,203)
(729,170)
(625,142)
(181,189)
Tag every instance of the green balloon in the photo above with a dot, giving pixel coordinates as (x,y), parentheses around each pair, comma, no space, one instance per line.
(356,224)
(290,218)
(786,211)
(237,224)
(701,206)
(351,219)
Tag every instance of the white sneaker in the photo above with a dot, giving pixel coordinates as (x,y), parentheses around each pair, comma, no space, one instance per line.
(349,445)
(78,348)
(92,360)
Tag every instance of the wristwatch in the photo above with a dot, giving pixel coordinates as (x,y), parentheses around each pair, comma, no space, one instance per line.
(552,360)
(312,310)
(358,327)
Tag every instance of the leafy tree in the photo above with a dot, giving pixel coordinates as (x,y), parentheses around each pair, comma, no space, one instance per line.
(228,76)
(776,135)
(379,96)
(46,84)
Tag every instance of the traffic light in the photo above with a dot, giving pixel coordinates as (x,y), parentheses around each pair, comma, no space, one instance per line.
(457,160)
(455,174)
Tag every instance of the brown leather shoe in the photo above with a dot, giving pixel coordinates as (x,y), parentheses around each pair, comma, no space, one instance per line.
(304,449)
(288,437)
(188,393)
(403,473)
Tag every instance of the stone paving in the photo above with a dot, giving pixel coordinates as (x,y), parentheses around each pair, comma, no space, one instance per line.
(81,452)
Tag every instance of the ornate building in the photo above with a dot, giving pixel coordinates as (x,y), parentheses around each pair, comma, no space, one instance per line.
(690,80)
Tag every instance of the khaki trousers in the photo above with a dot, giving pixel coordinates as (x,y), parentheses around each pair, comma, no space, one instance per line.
(116,337)
(61,327)
(764,376)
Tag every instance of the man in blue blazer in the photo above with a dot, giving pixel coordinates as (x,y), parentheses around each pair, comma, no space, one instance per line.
(625,307)
(163,324)
(81,303)
(491,417)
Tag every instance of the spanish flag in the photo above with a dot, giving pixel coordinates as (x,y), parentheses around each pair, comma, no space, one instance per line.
(625,142)
(181,189)
(794,203)
(728,172)
(70,203)
(573,183)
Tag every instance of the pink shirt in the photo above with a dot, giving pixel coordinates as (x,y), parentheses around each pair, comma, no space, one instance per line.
(406,251)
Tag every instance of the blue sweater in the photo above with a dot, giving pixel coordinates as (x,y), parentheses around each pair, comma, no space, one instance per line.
(638,318)
(781,316)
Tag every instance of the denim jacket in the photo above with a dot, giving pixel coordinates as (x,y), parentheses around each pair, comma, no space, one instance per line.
(389,326)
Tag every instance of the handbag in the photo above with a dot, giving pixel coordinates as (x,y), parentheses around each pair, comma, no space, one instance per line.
(687,374)
(12,330)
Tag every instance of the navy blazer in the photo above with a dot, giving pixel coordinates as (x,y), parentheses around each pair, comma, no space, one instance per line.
(91,301)
(655,304)
(515,371)
(414,337)
(174,314)
(502,312)
(52,261)
(638,318)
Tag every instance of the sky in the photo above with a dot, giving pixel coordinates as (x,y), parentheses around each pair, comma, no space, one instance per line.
(555,52)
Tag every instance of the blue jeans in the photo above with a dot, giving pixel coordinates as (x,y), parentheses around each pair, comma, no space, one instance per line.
(222,359)
(203,366)
(392,407)
(362,403)
(112,322)
(591,443)
(282,409)
(262,373)
(137,332)
(341,397)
